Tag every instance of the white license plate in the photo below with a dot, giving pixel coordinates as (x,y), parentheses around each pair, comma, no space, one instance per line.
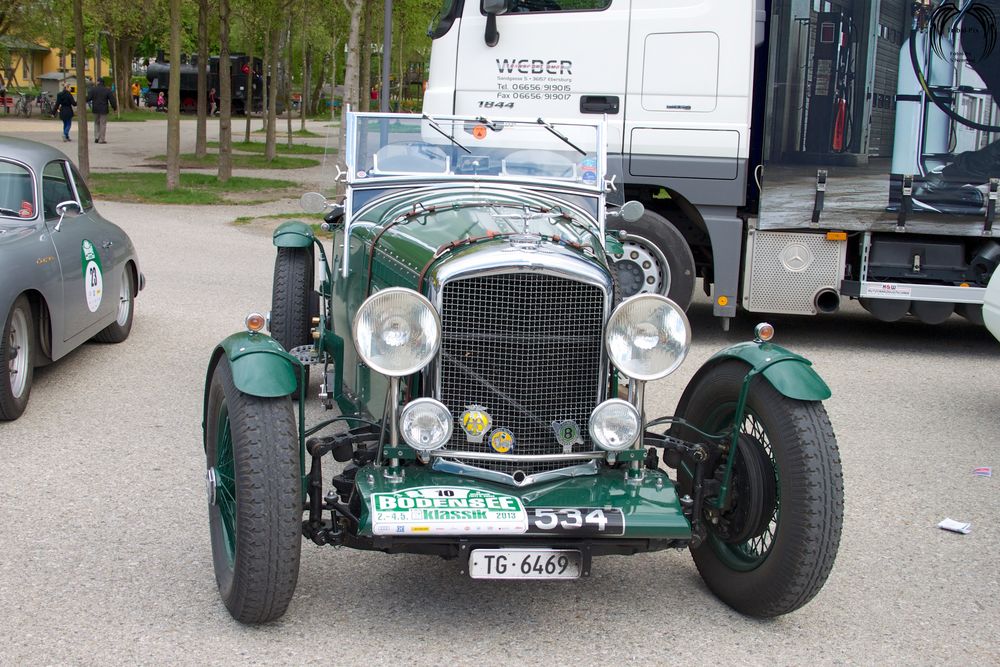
(525,564)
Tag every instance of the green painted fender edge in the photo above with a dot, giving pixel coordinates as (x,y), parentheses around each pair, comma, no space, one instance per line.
(293,234)
(791,374)
(261,367)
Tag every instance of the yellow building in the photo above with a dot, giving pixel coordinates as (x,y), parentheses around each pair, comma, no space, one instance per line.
(28,62)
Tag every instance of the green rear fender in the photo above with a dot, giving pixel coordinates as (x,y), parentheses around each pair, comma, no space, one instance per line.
(261,367)
(791,374)
(293,234)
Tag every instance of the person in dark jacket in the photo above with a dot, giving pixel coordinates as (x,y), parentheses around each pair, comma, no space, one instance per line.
(64,107)
(101,99)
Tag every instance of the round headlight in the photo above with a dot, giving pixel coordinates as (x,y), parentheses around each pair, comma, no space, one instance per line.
(615,424)
(648,337)
(397,331)
(426,424)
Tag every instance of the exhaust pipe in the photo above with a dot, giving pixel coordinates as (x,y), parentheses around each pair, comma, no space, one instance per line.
(827,301)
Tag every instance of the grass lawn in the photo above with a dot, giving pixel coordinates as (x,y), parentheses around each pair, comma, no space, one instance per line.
(314,220)
(151,188)
(255,161)
(136,116)
(258,147)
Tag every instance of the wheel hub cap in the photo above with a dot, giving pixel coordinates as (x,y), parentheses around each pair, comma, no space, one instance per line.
(212,486)
(641,268)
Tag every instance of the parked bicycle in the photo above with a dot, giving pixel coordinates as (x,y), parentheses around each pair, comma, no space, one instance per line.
(46,104)
(23,106)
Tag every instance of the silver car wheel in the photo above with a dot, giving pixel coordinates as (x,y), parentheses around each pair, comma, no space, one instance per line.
(125,300)
(18,342)
(642,268)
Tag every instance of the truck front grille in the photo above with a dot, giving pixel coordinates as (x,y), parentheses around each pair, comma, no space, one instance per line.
(526,347)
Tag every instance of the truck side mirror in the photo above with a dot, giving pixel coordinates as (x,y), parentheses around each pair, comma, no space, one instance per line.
(492,8)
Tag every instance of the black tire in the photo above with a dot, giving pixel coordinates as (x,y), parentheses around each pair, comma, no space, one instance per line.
(654,241)
(773,554)
(17,350)
(119,330)
(292,286)
(255,502)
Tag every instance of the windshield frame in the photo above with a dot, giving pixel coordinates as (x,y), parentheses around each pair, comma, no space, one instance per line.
(389,182)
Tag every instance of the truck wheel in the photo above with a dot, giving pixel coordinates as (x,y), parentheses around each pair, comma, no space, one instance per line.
(291,297)
(254,497)
(772,550)
(656,259)
(17,350)
(118,331)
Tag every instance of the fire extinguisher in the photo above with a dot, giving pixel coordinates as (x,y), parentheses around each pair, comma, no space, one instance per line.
(839,124)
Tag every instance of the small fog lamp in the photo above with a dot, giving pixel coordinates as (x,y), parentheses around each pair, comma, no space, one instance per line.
(426,424)
(397,331)
(647,337)
(763,332)
(615,424)
(255,322)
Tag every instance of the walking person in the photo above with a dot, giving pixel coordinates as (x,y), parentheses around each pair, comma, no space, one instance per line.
(64,106)
(101,98)
(212,104)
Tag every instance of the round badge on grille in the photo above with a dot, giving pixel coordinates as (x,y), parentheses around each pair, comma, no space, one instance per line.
(475,422)
(567,434)
(502,440)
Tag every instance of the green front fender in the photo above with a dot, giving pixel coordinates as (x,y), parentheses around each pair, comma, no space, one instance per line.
(261,367)
(791,374)
(293,234)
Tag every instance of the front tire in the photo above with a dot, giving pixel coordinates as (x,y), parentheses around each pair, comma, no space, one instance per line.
(17,351)
(656,259)
(772,550)
(255,501)
(291,297)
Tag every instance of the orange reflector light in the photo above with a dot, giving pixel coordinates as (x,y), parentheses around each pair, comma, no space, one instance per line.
(723,300)
(255,322)
(964,285)
(763,332)
(836,236)
(479,131)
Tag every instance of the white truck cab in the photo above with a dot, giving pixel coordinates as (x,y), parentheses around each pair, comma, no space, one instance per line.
(758,134)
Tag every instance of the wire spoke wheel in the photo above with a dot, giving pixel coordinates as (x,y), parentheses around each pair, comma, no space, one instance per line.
(772,543)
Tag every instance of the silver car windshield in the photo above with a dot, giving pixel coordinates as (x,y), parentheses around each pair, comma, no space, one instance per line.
(394,146)
(17,192)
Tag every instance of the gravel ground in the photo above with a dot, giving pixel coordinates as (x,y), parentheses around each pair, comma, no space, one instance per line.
(105,553)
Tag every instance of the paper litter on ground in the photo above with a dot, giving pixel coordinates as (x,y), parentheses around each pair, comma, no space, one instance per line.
(956,526)
(984,471)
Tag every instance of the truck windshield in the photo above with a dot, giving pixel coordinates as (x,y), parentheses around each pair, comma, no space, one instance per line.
(402,145)
(442,21)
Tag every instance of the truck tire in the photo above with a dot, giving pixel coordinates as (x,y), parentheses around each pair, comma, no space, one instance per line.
(291,317)
(772,550)
(255,501)
(656,259)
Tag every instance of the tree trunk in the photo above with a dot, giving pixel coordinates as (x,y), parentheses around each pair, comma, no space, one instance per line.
(287,78)
(333,83)
(272,47)
(365,75)
(200,148)
(266,80)
(114,76)
(174,99)
(248,97)
(225,96)
(82,137)
(351,70)
(306,83)
(318,89)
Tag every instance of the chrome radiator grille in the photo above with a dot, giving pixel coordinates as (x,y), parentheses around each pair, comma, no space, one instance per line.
(527,347)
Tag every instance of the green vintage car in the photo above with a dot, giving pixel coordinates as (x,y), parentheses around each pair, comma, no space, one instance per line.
(470,329)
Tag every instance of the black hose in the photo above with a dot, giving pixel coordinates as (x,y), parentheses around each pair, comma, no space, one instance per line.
(934,98)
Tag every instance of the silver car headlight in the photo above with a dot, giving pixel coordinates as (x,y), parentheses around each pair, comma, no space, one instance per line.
(615,424)
(426,424)
(648,337)
(397,331)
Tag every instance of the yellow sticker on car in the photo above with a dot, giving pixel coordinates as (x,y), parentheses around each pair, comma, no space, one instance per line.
(476,422)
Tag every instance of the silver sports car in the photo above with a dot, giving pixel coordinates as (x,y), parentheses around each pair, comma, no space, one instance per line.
(67,275)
